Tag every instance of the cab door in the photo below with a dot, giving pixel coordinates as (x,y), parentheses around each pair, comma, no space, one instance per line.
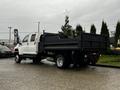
(25,43)
(33,44)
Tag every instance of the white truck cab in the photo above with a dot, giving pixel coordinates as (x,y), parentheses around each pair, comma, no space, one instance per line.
(28,46)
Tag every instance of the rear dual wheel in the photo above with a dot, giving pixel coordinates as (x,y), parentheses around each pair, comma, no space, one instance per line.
(93,59)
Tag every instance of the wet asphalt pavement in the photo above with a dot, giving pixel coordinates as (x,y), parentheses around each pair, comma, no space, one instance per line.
(27,76)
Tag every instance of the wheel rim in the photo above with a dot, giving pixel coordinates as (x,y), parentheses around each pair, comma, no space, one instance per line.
(17,58)
(60,62)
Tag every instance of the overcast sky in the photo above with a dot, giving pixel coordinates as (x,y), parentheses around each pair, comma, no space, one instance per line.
(24,14)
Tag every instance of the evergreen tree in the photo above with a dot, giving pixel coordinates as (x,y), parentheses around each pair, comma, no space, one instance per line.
(105,32)
(78,30)
(104,29)
(117,33)
(93,29)
(66,28)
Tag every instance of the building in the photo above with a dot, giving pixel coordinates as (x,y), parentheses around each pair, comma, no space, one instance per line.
(112,41)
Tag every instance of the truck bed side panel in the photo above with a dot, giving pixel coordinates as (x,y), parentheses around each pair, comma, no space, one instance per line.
(85,42)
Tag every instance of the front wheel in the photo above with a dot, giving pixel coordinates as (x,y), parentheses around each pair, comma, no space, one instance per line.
(17,58)
(62,61)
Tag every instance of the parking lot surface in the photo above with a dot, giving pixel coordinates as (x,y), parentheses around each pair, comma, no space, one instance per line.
(27,76)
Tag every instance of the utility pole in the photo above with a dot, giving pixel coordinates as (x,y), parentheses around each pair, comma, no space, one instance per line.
(38,27)
(9,34)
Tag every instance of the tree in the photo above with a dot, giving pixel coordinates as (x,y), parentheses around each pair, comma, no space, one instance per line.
(104,29)
(117,33)
(93,29)
(66,28)
(79,30)
(105,32)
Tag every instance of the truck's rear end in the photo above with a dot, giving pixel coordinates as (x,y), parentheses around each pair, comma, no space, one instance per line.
(93,42)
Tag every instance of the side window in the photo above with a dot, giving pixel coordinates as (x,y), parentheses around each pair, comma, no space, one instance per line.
(33,37)
(26,38)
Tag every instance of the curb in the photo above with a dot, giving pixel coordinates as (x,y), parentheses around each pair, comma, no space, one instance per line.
(109,66)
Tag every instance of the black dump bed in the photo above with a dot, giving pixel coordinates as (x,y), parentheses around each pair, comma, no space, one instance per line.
(86,42)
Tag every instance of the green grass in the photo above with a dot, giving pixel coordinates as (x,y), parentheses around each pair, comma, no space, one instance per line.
(113,60)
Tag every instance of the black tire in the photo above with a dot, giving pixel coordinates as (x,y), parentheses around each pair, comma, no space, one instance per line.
(62,61)
(94,58)
(17,58)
